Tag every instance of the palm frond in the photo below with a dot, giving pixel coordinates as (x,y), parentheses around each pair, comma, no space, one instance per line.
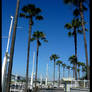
(39,17)
(22,15)
(80,31)
(38,10)
(70,34)
(84,8)
(64,65)
(32,39)
(78,70)
(25,9)
(68,26)
(67,1)
(76,12)
(58,62)
(54,57)
(86,29)
(68,67)
(45,40)
(39,36)
(72,59)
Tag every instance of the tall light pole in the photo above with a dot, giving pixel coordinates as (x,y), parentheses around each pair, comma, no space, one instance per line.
(32,71)
(6,58)
(12,49)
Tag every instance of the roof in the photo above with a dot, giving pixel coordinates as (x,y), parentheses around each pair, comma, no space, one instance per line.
(68,79)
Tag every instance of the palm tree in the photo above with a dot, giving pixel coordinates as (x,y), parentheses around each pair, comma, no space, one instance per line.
(79,64)
(29,12)
(81,8)
(64,65)
(54,57)
(12,48)
(75,26)
(72,60)
(68,67)
(38,36)
(59,62)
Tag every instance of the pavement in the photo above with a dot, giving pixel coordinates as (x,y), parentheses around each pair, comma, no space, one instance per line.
(51,90)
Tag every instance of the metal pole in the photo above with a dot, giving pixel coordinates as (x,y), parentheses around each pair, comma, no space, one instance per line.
(9,33)
(47,76)
(32,70)
(5,58)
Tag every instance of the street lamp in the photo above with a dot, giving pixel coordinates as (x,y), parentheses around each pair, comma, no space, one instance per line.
(6,57)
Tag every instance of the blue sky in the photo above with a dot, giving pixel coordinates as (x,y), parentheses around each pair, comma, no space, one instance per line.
(56,15)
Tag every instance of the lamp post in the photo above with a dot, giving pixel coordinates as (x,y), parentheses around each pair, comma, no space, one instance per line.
(32,70)
(6,58)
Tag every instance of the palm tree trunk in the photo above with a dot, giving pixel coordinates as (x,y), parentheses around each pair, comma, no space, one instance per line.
(36,63)
(28,51)
(75,41)
(68,73)
(73,72)
(54,73)
(12,50)
(85,43)
(78,74)
(82,72)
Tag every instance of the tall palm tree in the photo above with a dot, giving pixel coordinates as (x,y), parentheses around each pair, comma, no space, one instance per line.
(29,12)
(38,36)
(12,48)
(75,26)
(72,60)
(59,62)
(79,64)
(68,67)
(81,8)
(54,57)
(63,65)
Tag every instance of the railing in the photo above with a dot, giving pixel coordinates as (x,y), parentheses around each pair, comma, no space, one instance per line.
(17,87)
(74,86)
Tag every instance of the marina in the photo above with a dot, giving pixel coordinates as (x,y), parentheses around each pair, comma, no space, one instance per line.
(67,85)
(51,60)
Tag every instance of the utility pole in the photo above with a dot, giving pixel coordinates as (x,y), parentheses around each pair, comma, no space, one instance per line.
(5,59)
(12,49)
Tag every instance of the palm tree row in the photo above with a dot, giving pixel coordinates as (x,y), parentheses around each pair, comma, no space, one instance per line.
(30,12)
(33,13)
(60,63)
(74,28)
(80,8)
(72,61)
